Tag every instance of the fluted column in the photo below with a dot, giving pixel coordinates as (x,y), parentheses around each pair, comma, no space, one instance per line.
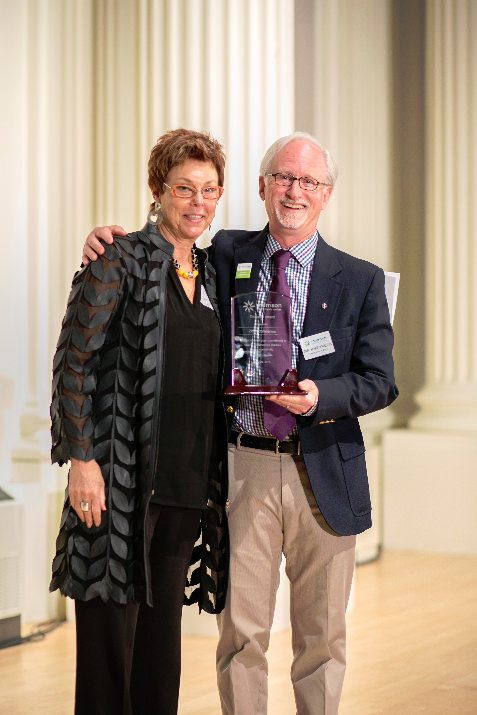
(430,468)
(211,65)
(448,400)
(29,451)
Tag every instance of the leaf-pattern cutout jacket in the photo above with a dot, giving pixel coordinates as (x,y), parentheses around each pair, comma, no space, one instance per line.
(107,374)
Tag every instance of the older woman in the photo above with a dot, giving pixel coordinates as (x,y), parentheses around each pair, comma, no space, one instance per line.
(135,412)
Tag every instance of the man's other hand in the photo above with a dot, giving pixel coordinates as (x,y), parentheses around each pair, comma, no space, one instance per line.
(93,247)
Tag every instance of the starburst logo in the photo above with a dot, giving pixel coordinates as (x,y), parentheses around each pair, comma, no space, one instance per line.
(248,306)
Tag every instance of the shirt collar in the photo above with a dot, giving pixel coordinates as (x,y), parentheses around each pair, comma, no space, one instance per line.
(303,252)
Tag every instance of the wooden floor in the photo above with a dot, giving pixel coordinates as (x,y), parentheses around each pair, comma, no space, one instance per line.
(412,649)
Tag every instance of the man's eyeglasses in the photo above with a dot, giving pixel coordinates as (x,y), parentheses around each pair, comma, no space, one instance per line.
(305,182)
(184,191)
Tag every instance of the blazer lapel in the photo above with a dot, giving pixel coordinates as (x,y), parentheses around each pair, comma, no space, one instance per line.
(323,298)
(250,252)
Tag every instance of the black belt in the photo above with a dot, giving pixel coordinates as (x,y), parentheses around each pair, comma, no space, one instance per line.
(289,446)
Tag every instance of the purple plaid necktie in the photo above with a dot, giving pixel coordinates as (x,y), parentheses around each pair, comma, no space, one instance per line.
(276,419)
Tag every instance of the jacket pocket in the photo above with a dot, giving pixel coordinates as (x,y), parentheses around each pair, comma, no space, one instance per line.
(342,333)
(355,475)
(337,362)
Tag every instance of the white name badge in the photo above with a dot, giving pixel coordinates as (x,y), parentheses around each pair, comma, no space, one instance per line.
(244,270)
(316,345)
(204,298)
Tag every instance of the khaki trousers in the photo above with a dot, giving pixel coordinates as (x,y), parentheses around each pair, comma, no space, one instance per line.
(273,511)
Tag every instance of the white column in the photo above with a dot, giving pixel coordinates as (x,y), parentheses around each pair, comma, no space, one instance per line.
(28,452)
(431,490)
(57,142)
(223,67)
(449,398)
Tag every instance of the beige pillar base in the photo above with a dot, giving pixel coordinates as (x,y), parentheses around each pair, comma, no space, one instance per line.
(447,407)
(430,491)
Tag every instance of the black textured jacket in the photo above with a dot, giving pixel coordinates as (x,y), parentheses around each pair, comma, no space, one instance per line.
(107,374)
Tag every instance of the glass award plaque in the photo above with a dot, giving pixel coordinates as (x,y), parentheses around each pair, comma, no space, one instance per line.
(261,345)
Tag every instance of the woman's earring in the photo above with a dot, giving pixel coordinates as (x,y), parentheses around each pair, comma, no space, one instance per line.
(154,217)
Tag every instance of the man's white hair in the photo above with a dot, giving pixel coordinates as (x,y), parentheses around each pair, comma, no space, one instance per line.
(331,165)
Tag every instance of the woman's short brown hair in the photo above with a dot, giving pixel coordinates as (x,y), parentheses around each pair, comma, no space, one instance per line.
(178,145)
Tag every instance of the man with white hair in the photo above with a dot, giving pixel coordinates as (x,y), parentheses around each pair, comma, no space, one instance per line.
(298,484)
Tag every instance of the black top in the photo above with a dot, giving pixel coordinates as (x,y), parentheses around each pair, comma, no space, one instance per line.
(186,423)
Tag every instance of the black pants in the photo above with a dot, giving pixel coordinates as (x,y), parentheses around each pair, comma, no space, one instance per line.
(128,658)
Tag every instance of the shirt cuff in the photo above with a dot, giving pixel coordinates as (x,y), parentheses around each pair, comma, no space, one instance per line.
(312,409)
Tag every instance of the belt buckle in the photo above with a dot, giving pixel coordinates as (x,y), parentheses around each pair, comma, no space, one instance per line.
(277,448)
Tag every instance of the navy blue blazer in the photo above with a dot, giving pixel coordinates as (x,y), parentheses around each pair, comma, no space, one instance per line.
(356,379)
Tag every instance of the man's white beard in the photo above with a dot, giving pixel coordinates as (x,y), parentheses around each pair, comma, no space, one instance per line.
(287,218)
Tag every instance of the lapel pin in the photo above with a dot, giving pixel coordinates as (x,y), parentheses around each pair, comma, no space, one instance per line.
(324,306)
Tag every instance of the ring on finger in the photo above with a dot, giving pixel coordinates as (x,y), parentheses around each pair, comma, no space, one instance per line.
(84,505)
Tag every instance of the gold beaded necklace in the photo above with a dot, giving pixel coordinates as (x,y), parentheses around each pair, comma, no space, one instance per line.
(195,265)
